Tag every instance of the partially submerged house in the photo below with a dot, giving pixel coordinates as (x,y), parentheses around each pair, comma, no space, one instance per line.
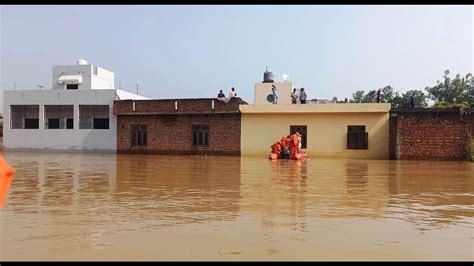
(328,130)
(204,126)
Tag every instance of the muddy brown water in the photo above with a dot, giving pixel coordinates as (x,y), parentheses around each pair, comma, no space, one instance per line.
(77,206)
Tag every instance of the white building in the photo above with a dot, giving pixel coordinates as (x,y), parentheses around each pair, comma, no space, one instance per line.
(75,114)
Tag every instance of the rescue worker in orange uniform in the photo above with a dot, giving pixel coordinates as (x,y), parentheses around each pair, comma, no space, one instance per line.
(293,143)
(276,148)
(284,143)
(298,149)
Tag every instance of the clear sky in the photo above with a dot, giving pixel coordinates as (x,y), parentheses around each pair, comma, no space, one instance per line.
(193,51)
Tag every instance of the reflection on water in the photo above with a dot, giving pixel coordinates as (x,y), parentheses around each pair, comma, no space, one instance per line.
(105,206)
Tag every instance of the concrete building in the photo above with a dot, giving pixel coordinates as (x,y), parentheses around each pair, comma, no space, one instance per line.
(179,126)
(75,114)
(329,130)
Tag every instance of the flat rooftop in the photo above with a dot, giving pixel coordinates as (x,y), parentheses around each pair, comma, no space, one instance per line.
(177,106)
(317,108)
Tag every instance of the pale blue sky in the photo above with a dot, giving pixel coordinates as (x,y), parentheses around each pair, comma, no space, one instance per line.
(193,51)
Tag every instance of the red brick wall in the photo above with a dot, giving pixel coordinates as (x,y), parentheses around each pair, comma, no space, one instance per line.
(428,135)
(171,134)
(201,105)
(469,117)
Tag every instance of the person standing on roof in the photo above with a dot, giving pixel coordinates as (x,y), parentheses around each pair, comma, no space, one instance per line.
(232,93)
(220,95)
(275,94)
(303,96)
(294,97)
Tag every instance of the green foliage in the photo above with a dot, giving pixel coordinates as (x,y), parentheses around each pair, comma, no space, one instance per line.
(361,97)
(451,91)
(387,94)
(462,106)
(369,96)
(357,97)
(404,101)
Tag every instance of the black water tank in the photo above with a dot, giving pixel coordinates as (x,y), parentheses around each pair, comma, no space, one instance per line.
(268,77)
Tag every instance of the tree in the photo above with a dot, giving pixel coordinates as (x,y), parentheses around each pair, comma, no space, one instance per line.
(368,98)
(453,91)
(457,92)
(357,97)
(462,106)
(404,101)
(387,95)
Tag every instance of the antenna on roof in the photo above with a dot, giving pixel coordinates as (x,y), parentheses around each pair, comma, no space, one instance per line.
(266,69)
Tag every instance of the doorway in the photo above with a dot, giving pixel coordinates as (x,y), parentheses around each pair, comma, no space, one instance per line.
(303,130)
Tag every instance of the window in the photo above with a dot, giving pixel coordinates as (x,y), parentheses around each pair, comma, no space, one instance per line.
(69,123)
(139,136)
(72,86)
(31,123)
(101,123)
(93,116)
(200,135)
(303,130)
(357,138)
(58,116)
(95,70)
(24,116)
(53,123)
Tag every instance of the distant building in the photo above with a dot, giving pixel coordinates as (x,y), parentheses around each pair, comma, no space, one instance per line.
(321,101)
(75,114)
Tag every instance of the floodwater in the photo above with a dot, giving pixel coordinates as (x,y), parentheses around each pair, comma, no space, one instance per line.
(73,206)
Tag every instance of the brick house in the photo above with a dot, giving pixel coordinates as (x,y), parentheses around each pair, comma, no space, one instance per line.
(204,126)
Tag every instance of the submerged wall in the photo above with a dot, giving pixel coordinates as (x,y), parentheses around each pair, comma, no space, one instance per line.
(430,134)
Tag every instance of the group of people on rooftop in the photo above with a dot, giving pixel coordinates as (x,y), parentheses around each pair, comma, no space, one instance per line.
(300,97)
(296,97)
(232,94)
(287,146)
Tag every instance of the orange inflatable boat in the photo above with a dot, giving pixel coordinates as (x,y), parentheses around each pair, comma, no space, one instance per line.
(297,156)
(6,176)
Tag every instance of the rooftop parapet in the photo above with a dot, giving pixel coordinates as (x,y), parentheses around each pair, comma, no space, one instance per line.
(177,106)
(317,108)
